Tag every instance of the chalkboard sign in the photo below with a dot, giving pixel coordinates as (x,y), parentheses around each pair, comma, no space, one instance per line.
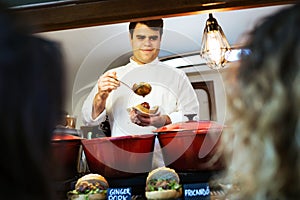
(196,191)
(119,193)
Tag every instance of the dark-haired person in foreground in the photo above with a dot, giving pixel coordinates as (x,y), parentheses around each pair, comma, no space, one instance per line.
(264,97)
(171,88)
(32,96)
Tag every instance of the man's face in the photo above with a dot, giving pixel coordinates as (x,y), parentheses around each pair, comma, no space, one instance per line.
(145,44)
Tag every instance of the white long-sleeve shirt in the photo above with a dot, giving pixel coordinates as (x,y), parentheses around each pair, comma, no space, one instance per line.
(171,91)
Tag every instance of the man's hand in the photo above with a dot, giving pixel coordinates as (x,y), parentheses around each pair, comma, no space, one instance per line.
(147,120)
(106,83)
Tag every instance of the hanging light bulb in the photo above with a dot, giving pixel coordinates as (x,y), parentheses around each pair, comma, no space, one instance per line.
(214,44)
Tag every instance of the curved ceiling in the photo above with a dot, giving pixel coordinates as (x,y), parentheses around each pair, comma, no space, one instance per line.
(90,51)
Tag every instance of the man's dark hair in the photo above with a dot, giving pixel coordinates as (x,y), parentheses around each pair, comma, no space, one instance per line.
(156,25)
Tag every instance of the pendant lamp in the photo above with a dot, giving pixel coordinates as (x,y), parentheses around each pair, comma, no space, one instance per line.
(214,44)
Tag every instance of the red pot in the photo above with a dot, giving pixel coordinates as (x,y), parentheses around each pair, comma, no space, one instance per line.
(119,157)
(65,152)
(191,146)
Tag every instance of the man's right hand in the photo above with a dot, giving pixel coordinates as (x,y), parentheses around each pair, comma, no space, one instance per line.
(106,83)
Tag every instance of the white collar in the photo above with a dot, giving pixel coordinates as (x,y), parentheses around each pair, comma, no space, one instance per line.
(155,61)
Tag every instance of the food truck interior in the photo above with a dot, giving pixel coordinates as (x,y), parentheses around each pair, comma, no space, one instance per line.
(94,38)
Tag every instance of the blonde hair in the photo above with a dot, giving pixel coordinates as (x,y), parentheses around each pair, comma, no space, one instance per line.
(263,145)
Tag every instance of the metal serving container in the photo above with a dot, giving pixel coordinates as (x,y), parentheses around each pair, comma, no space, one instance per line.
(191,146)
(65,155)
(119,157)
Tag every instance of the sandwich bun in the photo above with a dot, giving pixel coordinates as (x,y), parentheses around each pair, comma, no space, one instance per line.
(164,194)
(144,108)
(163,173)
(91,178)
(89,187)
(168,175)
(87,197)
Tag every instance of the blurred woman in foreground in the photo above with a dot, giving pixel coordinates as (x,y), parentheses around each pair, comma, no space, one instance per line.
(264,100)
(31,90)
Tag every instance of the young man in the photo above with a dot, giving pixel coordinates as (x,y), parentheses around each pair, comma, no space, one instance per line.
(171,89)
